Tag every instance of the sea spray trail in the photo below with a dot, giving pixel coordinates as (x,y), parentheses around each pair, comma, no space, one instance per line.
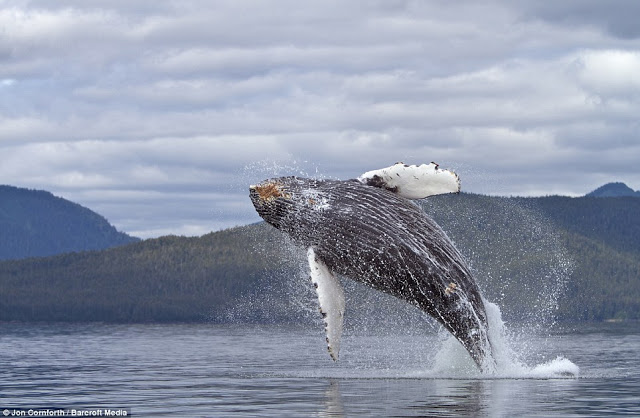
(514,251)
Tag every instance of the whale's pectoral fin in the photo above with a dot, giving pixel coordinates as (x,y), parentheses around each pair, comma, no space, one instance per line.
(331,297)
(413,181)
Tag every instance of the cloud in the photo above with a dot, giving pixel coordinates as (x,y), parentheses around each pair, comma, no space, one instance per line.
(611,73)
(616,17)
(159,114)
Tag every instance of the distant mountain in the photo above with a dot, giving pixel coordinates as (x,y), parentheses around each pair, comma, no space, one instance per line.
(35,223)
(575,258)
(614,190)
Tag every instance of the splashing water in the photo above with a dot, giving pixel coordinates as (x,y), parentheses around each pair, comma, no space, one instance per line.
(260,170)
(452,361)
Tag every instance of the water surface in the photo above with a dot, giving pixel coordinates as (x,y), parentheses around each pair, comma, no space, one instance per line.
(241,370)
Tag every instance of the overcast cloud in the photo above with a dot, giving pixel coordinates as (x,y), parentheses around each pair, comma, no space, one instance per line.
(158,115)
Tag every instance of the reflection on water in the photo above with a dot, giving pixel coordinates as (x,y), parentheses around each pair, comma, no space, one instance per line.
(498,397)
(387,397)
(333,400)
(211,370)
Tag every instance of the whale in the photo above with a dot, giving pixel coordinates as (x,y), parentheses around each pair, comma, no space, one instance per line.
(370,230)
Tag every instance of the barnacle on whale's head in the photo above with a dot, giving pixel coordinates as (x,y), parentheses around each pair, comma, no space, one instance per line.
(269,191)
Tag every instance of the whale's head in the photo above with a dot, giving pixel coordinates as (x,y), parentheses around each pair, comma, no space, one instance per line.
(285,202)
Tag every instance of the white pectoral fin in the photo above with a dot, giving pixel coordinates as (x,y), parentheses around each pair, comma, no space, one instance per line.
(331,298)
(413,181)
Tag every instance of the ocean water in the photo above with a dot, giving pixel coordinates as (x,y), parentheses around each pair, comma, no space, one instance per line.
(214,370)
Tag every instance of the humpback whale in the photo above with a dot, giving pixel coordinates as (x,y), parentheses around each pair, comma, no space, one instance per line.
(368,230)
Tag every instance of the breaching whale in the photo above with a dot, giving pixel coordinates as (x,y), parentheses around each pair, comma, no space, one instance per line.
(368,230)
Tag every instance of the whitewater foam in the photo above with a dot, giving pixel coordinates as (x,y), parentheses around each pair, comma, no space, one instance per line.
(452,360)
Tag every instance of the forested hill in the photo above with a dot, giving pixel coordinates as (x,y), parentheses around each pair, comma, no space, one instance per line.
(36,223)
(575,258)
(614,190)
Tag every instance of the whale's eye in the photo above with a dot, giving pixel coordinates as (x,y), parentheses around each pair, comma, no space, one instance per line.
(270,192)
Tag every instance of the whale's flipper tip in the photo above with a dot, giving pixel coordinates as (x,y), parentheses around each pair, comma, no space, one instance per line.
(413,181)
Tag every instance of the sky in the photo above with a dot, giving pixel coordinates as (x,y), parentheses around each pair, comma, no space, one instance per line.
(159,114)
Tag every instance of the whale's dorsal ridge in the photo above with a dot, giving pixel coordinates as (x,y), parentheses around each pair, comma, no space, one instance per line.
(331,298)
(413,181)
